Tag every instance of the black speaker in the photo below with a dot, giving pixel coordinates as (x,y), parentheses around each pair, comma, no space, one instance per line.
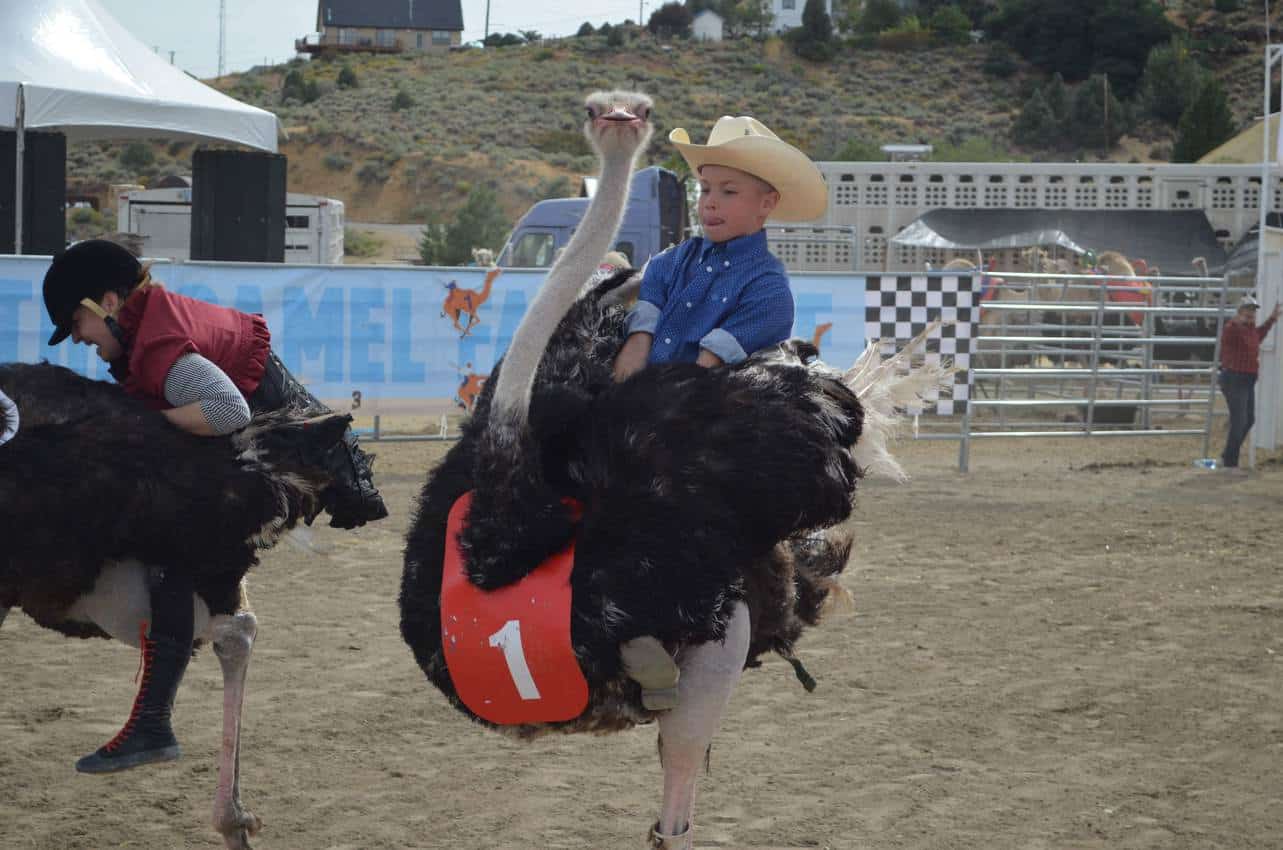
(238,206)
(44,192)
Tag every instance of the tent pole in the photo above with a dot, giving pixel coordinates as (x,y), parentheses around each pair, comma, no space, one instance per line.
(1272,55)
(19,131)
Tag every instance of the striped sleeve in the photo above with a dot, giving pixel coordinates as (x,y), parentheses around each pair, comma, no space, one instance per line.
(194,378)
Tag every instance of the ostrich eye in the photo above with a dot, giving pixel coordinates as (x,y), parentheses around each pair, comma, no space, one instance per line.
(592,111)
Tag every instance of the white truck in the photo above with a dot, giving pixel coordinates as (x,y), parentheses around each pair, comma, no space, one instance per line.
(313,225)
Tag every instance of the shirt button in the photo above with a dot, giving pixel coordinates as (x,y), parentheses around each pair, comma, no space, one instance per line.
(723,299)
(668,340)
(689,305)
(726,263)
(708,268)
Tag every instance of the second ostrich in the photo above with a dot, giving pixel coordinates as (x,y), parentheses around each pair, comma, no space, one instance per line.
(697,499)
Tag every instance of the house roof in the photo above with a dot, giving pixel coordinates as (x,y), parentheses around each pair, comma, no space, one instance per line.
(390,14)
(1245,147)
(706,13)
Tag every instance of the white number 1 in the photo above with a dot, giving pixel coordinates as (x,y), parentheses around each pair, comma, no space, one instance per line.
(509,638)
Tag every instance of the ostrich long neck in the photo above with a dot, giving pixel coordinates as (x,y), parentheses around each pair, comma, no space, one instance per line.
(577,262)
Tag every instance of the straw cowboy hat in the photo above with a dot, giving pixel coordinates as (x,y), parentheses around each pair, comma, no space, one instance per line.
(746,143)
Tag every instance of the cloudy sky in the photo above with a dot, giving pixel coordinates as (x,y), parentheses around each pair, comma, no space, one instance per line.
(259,30)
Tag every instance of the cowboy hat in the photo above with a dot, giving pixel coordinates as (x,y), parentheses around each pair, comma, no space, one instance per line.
(746,144)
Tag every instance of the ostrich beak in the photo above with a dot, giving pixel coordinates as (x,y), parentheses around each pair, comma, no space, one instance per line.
(619,113)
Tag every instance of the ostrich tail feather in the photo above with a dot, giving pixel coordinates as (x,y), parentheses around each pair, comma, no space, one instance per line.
(887,390)
(8,419)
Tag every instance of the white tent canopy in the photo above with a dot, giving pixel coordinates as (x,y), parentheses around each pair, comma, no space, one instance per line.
(69,66)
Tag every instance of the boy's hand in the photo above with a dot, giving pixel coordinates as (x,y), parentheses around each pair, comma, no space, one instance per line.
(632,356)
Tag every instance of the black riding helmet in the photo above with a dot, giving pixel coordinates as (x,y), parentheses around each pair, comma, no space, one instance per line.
(88,269)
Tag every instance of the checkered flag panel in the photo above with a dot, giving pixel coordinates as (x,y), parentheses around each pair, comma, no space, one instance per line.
(899,307)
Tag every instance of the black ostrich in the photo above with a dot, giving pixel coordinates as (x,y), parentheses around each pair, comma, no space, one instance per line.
(702,497)
(96,490)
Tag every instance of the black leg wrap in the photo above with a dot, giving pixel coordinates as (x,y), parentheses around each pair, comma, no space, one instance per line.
(148,736)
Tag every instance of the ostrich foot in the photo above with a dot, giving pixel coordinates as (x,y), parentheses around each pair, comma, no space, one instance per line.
(4,612)
(659,841)
(236,835)
(233,643)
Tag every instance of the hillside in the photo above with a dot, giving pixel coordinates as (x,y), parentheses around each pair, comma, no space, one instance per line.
(510,115)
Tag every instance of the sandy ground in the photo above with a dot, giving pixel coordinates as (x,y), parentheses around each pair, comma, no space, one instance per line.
(1077,645)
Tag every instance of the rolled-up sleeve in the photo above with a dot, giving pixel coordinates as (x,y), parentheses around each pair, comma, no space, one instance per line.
(643,318)
(764,316)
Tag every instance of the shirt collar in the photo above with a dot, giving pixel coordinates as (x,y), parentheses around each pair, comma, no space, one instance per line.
(741,247)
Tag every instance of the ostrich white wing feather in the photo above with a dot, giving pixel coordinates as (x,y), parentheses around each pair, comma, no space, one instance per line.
(8,419)
(887,389)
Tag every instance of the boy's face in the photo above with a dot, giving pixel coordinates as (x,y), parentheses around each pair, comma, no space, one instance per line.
(733,203)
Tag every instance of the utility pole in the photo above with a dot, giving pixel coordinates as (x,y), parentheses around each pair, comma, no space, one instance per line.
(640,21)
(171,57)
(222,36)
(487,35)
(1105,81)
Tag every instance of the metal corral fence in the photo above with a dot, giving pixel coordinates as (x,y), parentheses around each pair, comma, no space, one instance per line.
(1122,356)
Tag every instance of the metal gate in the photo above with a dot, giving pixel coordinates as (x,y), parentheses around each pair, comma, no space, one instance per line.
(1074,355)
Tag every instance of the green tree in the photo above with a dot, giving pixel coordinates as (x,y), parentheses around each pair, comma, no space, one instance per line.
(479,224)
(1096,117)
(879,15)
(432,244)
(137,157)
(814,39)
(669,21)
(1206,124)
(999,61)
(347,78)
(1079,38)
(751,16)
(1172,79)
(950,25)
(585,29)
(1036,126)
(402,100)
(1057,96)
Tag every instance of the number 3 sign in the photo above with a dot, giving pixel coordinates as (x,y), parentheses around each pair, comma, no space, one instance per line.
(508,650)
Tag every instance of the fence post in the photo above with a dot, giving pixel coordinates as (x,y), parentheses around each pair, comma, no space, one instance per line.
(1095,357)
(1214,371)
(1147,356)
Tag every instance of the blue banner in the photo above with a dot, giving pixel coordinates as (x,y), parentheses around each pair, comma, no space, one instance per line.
(390,333)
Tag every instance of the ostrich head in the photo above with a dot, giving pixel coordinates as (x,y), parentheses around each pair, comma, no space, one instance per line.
(617,127)
(618,123)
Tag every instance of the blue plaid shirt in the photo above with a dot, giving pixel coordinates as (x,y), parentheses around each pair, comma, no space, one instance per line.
(731,298)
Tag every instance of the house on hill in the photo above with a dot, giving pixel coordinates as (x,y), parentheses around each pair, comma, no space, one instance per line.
(788,13)
(385,26)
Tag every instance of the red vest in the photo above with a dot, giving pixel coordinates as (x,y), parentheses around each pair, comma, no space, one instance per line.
(160,326)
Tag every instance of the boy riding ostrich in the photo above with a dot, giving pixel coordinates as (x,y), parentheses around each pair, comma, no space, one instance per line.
(585,535)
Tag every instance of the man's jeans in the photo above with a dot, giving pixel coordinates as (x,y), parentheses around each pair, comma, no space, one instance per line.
(1239,389)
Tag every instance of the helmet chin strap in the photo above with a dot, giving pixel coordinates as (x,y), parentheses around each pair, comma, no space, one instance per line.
(112,325)
(109,318)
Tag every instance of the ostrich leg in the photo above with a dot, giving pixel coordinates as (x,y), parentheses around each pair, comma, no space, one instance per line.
(4,612)
(233,642)
(710,672)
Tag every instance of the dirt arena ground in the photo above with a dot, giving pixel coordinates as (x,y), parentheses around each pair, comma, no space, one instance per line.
(1077,645)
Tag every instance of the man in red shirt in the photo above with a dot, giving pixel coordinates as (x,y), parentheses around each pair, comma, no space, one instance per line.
(1240,350)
